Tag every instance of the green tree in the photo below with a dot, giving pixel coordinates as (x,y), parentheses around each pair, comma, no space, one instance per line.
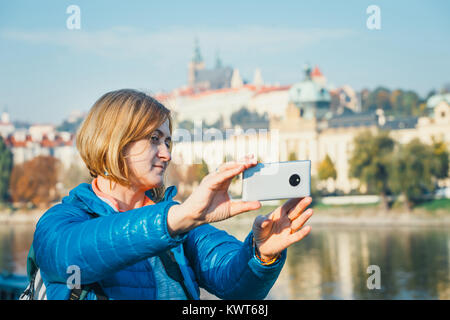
(371,162)
(405,103)
(380,98)
(6,165)
(70,126)
(441,154)
(249,119)
(413,173)
(326,169)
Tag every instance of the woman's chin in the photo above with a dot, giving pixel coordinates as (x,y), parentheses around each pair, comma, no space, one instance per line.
(155,183)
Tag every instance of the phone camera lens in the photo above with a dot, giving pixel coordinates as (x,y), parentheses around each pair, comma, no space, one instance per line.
(294,180)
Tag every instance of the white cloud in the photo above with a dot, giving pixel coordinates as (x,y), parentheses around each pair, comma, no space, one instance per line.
(168,44)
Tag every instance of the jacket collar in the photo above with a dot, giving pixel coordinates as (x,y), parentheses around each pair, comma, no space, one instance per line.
(84,197)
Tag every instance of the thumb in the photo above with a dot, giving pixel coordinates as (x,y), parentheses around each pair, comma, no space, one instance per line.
(238,207)
(262,222)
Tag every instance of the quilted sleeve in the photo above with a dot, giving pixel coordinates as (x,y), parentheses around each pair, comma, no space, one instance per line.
(66,236)
(226,267)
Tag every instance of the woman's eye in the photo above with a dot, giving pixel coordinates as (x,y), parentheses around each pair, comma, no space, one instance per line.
(155,139)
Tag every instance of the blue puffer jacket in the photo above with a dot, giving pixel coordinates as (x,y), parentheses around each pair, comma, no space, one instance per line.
(113,250)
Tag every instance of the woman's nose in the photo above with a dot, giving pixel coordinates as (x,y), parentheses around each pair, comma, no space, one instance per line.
(164,152)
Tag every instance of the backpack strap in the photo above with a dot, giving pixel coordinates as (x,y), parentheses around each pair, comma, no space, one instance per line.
(173,271)
(81,293)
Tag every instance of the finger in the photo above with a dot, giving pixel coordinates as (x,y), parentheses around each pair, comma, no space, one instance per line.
(228,174)
(284,209)
(299,208)
(227,165)
(263,222)
(299,235)
(301,220)
(247,161)
(247,158)
(238,207)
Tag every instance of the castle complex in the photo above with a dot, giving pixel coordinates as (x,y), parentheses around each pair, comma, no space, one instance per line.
(306,120)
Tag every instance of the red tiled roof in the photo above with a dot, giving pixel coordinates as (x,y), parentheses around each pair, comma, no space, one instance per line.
(316,72)
(271,89)
(11,142)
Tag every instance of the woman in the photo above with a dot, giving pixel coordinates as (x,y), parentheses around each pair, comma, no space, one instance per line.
(126,234)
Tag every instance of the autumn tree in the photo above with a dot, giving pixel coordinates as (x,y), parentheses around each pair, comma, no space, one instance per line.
(35,181)
(398,103)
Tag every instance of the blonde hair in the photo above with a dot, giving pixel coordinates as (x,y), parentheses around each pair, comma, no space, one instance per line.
(114,121)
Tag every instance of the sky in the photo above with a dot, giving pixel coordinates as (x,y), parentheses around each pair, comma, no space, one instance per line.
(48,70)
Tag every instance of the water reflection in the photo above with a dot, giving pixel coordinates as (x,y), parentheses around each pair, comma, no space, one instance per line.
(331,263)
(15,241)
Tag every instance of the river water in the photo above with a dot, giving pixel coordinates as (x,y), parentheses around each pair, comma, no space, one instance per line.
(331,263)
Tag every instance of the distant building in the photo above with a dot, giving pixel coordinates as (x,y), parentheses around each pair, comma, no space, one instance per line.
(307,120)
(37,131)
(311,97)
(271,100)
(26,146)
(6,127)
(213,95)
(201,79)
(344,98)
(436,99)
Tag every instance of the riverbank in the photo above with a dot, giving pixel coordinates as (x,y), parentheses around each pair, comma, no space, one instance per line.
(20,217)
(432,214)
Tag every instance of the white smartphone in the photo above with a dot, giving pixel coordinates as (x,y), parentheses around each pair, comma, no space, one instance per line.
(277,180)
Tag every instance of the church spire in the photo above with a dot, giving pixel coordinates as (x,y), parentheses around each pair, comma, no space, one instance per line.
(307,69)
(218,61)
(197,58)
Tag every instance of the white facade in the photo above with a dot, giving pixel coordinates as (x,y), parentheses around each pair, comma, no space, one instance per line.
(308,144)
(210,106)
(273,102)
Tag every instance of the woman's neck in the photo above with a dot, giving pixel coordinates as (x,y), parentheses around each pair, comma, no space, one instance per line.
(127,198)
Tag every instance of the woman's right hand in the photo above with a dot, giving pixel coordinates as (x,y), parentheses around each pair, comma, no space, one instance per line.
(210,201)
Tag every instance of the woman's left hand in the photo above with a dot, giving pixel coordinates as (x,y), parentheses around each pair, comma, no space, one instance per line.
(282,227)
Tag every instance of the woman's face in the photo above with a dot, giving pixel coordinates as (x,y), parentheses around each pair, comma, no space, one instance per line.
(148,159)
